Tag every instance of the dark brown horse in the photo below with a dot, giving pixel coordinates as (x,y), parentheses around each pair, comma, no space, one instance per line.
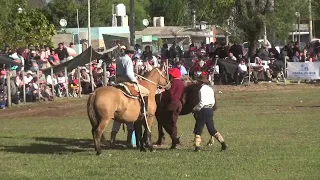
(190,99)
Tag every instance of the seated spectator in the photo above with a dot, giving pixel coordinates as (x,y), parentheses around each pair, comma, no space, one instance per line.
(71,51)
(61,79)
(274,71)
(232,57)
(28,77)
(34,88)
(53,58)
(242,71)
(74,85)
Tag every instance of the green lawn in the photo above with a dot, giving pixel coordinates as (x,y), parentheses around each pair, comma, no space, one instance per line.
(271,135)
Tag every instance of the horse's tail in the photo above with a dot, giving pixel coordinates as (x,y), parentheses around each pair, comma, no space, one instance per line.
(92,113)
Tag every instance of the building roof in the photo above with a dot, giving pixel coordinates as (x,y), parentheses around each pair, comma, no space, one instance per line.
(180,31)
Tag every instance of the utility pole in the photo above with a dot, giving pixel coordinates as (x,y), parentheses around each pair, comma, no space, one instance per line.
(310,22)
(89,24)
(132,26)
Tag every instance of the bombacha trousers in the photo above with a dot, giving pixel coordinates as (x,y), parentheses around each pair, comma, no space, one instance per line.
(204,117)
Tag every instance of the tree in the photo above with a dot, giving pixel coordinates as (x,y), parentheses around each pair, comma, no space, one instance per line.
(61,9)
(23,28)
(175,13)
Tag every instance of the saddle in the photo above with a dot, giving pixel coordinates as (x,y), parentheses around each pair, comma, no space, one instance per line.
(128,90)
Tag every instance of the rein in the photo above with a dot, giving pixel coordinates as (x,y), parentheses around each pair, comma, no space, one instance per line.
(146,79)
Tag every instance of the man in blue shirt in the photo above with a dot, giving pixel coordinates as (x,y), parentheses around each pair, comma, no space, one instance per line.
(182,69)
(125,75)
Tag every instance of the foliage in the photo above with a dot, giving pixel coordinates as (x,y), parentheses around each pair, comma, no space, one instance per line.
(61,9)
(26,27)
(175,13)
(100,16)
(212,11)
(272,132)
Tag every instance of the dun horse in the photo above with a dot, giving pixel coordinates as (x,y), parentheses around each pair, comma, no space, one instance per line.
(111,103)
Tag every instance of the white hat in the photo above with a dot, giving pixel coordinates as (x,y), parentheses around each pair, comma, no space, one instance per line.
(29,72)
(14,56)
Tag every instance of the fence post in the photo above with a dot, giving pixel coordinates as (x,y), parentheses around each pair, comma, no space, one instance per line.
(9,88)
(67,80)
(285,71)
(24,87)
(104,73)
(249,71)
(38,84)
(52,83)
(79,75)
(91,76)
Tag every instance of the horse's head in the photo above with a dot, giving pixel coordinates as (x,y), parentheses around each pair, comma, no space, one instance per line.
(158,75)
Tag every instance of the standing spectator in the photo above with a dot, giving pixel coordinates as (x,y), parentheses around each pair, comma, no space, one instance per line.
(33,61)
(137,51)
(182,69)
(147,53)
(71,51)
(165,54)
(85,80)
(3,90)
(303,55)
(62,53)
(43,59)
(296,57)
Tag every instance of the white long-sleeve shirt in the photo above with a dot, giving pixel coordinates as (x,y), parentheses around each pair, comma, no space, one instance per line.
(206,96)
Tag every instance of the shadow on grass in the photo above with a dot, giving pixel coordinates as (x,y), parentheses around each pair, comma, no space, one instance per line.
(307,106)
(41,149)
(50,145)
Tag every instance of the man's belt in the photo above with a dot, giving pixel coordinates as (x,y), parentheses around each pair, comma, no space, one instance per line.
(208,106)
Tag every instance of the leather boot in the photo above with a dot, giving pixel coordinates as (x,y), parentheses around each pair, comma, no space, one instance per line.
(219,137)
(129,138)
(113,137)
(197,142)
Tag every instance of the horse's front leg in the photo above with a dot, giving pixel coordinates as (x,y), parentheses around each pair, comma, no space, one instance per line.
(148,127)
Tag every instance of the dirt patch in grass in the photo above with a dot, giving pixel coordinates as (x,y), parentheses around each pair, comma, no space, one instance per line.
(54,109)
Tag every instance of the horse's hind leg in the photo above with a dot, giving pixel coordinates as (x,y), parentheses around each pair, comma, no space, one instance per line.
(98,133)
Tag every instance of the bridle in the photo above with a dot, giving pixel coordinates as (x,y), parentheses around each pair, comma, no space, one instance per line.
(161,75)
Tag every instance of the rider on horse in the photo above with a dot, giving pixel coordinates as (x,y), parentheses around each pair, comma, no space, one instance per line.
(125,75)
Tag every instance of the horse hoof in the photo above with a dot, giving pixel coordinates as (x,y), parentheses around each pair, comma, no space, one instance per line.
(143,150)
(152,150)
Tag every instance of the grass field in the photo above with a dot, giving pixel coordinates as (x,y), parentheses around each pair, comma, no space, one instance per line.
(272,133)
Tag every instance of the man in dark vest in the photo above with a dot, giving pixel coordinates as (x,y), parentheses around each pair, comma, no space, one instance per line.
(203,113)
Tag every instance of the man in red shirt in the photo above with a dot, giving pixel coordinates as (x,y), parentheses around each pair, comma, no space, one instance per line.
(170,114)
